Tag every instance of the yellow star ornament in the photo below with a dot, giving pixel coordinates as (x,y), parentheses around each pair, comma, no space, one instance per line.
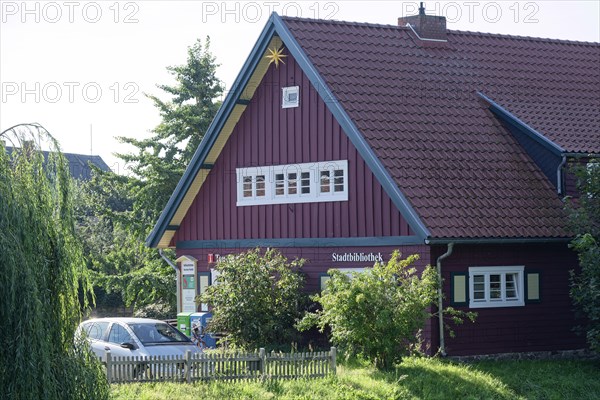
(276,56)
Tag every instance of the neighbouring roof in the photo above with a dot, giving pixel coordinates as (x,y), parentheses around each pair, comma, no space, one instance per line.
(79,164)
(421,117)
(418,108)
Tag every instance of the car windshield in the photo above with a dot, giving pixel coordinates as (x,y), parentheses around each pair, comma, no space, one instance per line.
(153,333)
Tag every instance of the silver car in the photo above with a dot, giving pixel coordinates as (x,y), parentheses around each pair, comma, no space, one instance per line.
(135,337)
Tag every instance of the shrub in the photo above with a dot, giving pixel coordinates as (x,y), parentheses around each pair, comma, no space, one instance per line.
(257,298)
(585,223)
(377,313)
(159,310)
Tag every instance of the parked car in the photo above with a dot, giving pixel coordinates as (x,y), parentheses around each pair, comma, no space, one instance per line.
(135,337)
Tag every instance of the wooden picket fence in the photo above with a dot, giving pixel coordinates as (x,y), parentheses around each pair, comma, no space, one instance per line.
(220,366)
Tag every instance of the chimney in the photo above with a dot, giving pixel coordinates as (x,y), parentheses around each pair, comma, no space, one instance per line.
(427,27)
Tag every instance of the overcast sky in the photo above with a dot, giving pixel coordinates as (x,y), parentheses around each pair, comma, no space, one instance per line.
(72,65)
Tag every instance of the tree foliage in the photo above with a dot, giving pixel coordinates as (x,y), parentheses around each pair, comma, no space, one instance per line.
(160,160)
(42,274)
(378,313)
(117,212)
(585,223)
(257,298)
(119,261)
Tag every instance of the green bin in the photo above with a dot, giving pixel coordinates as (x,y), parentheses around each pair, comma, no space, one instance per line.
(183,323)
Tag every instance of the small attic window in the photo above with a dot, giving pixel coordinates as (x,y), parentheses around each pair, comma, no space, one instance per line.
(291,97)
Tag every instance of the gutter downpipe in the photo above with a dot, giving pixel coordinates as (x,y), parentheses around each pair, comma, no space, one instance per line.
(440,298)
(174,265)
(559,173)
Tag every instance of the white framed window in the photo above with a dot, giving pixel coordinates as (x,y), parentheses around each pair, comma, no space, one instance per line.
(214,276)
(496,287)
(253,186)
(203,284)
(290,97)
(349,272)
(293,183)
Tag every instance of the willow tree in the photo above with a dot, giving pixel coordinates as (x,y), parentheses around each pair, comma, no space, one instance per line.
(42,276)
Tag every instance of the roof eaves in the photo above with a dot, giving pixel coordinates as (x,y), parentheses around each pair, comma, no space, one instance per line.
(351,130)
(503,240)
(582,154)
(211,136)
(507,116)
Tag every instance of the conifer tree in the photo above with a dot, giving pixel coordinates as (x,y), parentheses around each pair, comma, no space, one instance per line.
(130,205)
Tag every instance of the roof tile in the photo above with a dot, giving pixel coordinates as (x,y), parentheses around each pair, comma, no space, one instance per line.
(418,108)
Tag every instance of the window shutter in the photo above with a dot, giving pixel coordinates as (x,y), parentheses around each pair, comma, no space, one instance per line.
(532,287)
(459,288)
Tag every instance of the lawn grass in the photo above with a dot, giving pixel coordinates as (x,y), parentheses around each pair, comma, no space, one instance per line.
(548,379)
(414,378)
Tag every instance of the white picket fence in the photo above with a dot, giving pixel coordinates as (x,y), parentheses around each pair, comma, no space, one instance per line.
(220,366)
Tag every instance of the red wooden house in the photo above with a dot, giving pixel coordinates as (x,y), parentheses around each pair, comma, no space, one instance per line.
(369,138)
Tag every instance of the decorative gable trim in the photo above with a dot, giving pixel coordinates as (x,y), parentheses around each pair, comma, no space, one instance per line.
(233,107)
(233,100)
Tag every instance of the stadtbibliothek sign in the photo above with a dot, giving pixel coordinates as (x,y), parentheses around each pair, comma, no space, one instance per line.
(356,257)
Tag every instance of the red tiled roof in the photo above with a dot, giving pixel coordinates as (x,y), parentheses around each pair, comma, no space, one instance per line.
(418,108)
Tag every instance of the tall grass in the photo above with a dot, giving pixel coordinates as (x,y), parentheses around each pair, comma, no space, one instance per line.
(413,378)
(41,274)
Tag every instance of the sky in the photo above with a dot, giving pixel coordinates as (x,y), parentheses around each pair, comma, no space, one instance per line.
(81,68)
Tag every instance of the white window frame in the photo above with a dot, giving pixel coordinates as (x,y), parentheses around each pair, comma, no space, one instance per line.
(285,93)
(289,195)
(214,276)
(503,301)
(254,186)
(349,272)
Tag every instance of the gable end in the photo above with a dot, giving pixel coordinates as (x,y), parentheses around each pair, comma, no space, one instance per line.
(228,116)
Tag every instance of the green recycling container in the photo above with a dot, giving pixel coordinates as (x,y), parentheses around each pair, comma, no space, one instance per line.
(183,323)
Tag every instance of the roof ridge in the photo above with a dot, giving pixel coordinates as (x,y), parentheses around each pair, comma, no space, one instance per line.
(450,31)
(64,153)
(340,22)
(520,37)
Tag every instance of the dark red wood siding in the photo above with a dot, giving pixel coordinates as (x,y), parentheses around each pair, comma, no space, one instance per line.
(547,325)
(319,261)
(266,135)
(570,179)
(570,182)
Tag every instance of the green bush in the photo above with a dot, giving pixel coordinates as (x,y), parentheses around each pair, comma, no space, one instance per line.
(585,223)
(159,310)
(377,313)
(257,298)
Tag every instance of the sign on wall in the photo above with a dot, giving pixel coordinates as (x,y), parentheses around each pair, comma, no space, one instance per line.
(188,283)
(357,257)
